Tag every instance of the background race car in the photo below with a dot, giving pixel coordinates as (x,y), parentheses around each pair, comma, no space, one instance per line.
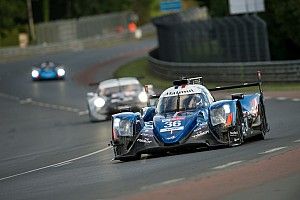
(47,71)
(188,117)
(114,95)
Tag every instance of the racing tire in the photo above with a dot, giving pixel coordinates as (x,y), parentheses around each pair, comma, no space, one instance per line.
(238,138)
(90,116)
(123,148)
(93,119)
(130,158)
(264,125)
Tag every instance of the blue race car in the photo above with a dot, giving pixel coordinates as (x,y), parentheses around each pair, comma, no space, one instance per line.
(186,116)
(47,71)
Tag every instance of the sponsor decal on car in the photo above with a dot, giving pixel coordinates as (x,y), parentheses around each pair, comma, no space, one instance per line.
(171,138)
(199,134)
(180,128)
(146,135)
(146,140)
(171,126)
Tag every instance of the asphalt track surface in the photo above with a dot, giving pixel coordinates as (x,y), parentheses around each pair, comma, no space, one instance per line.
(49,149)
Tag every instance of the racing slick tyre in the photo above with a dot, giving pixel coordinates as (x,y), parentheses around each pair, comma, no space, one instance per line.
(90,115)
(264,125)
(130,158)
(123,147)
(236,137)
(94,119)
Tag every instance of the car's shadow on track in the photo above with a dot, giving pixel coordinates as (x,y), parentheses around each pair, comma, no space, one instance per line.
(145,157)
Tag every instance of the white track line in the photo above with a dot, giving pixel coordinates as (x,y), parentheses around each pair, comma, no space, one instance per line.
(297,141)
(267,98)
(162,183)
(45,105)
(296,99)
(9,96)
(85,112)
(272,150)
(56,164)
(62,164)
(228,164)
(24,101)
(281,98)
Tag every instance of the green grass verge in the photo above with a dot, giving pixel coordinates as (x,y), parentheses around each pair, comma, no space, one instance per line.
(140,68)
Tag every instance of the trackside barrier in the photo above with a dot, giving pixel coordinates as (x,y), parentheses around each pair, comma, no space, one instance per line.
(75,45)
(272,71)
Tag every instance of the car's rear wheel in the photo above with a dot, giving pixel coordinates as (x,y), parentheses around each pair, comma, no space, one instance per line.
(264,125)
(90,115)
(236,136)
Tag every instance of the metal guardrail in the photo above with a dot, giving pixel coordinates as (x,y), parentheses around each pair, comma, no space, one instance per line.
(75,45)
(273,71)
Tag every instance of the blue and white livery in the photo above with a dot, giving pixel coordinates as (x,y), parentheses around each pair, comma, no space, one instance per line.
(186,116)
(48,71)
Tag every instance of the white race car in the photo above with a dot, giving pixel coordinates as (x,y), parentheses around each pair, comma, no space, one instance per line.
(115,95)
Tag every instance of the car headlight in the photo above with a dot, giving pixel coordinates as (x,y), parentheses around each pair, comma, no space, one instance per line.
(122,128)
(125,128)
(143,97)
(221,115)
(99,102)
(35,73)
(61,72)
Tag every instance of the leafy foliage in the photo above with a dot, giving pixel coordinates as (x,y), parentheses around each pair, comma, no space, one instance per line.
(12,13)
(283,21)
(282,16)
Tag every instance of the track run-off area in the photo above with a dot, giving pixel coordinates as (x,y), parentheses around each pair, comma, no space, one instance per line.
(50,150)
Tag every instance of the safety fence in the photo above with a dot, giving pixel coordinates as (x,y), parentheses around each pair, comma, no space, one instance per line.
(272,71)
(83,27)
(75,45)
(185,38)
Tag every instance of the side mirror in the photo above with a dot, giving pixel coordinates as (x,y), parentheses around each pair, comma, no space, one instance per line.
(237,96)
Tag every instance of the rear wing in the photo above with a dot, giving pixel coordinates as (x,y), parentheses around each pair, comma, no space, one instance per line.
(196,80)
(244,85)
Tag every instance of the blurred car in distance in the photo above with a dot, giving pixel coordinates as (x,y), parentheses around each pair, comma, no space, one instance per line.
(114,95)
(48,71)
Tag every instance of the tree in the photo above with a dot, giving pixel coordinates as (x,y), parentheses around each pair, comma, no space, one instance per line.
(283,21)
(145,9)
(12,14)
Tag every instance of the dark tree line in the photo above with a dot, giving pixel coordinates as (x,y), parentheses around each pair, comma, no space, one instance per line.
(282,16)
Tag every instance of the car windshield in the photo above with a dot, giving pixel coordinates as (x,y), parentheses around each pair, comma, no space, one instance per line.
(47,65)
(181,103)
(124,88)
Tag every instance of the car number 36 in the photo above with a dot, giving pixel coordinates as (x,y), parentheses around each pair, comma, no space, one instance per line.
(172,124)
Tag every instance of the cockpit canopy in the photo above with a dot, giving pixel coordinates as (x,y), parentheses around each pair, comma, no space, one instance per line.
(126,85)
(183,102)
(47,64)
(108,91)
